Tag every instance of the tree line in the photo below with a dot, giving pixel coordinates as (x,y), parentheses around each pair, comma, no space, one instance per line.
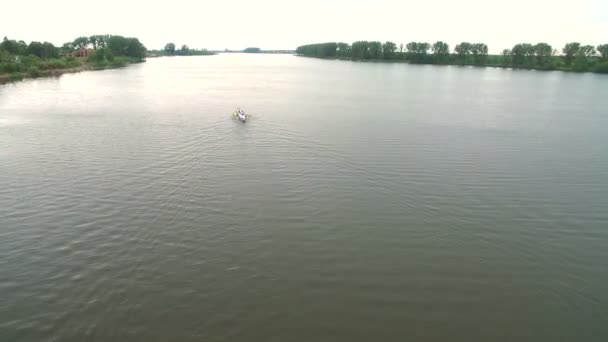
(252,50)
(574,56)
(108,45)
(20,48)
(116,45)
(171,50)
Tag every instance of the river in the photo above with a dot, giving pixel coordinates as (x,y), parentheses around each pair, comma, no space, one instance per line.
(360,202)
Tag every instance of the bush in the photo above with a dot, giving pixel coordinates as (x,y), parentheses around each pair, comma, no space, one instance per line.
(10,67)
(15,76)
(100,65)
(97,57)
(557,63)
(120,61)
(5,56)
(101,57)
(29,61)
(33,71)
(72,62)
(601,68)
(53,64)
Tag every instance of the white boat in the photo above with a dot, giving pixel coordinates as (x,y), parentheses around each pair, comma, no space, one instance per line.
(240,114)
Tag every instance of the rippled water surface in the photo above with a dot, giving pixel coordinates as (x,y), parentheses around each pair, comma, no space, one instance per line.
(361,202)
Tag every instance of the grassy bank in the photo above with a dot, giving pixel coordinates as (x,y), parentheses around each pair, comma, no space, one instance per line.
(60,66)
(18,67)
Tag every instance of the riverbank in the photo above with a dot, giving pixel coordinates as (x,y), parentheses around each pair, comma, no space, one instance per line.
(17,76)
(85,66)
(600,68)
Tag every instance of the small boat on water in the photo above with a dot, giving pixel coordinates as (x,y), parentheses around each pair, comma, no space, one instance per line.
(240,114)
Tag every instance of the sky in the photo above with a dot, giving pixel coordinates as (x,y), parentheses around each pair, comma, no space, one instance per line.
(275,24)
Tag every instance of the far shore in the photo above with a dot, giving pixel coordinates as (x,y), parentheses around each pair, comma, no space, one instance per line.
(576,57)
(402,61)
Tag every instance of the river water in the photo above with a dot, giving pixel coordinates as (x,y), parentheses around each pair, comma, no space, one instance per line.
(360,202)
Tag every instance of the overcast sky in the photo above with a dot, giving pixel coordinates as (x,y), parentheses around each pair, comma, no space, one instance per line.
(284,24)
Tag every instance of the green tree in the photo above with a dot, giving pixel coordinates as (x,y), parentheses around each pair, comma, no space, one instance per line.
(135,49)
(411,47)
(343,50)
(581,60)
(422,48)
(463,50)
(329,49)
(5,57)
(523,55)
(129,47)
(601,67)
(586,51)
(21,47)
(102,55)
(360,50)
(480,53)
(185,50)
(506,57)
(314,50)
(118,45)
(14,47)
(170,49)
(375,50)
(67,47)
(543,52)
(422,51)
(49,50)
(570,51)
(388,50)
(252,50)
(102,40)
(98,40)
(603,50)
(35,48)
(518,54)
(441,49)
(81,42)
(529,53)
(43,50)
(417,52)
(93,41)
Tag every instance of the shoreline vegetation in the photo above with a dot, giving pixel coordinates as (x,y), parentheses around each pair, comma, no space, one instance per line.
(574,56)
(171,50)
(258,50)
(19,60)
